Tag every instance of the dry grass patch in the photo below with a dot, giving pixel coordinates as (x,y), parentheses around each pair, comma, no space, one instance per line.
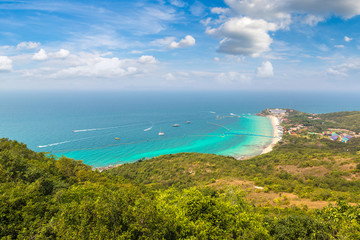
(262,198)
(318,171)
(244,184)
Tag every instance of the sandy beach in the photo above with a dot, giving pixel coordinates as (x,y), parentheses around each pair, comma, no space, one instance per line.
(276,139)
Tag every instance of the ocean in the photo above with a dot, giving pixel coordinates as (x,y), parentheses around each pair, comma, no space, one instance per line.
(108,128)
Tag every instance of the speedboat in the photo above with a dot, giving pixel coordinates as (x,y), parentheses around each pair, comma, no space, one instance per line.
(176,125)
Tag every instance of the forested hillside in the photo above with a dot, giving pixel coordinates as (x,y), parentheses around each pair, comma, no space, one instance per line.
(284,194)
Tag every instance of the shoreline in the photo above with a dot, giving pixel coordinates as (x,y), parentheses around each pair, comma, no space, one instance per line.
(274,122)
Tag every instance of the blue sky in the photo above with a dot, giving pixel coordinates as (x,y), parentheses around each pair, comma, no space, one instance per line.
(180,45)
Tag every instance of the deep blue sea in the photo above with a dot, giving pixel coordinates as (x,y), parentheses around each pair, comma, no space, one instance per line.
(84,125)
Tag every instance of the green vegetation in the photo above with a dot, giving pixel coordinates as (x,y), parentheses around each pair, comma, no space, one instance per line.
(187,195)
(323,122)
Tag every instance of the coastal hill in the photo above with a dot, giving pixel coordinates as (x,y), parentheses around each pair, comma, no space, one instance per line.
(308,187)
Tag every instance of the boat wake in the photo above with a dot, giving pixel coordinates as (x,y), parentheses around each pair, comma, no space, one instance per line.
(148,129)
(87,130)
(75,140)
(53,144)
(106,128)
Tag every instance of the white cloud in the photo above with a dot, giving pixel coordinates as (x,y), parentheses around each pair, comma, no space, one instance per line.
(185,42)
(219,10)
(163,41)
(169,76)
(197,8)
(269,10)
(347,39)
(344,8)
(323,47)
(206,79)
(245,27)
(339,46)
(351,66)
(177,3)
(94,65)
(41,55)
(279,10)
(244,36)
(206,22)
(147,59)
(5,63)
(62,53)
(27,45)
(335,72)
(312,20)
(216,59)
(266,70)
(233,77)
(136,52)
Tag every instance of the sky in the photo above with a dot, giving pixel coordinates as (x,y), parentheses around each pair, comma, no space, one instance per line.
(170,45)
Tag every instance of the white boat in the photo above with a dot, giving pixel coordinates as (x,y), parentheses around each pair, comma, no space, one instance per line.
(188,122)
(161,133)
(176,125)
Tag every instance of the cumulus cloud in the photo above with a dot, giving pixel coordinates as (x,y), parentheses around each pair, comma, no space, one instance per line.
(41,55)
(347,39)
(185,42)
(269,10)
(62,53)
(245,25)
(92,65)
(266,70)
(275,10)
(27,45)
(5,63)
(244,36)
(147,59)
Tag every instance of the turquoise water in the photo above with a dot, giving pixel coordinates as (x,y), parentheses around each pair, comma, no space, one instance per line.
(46,122)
